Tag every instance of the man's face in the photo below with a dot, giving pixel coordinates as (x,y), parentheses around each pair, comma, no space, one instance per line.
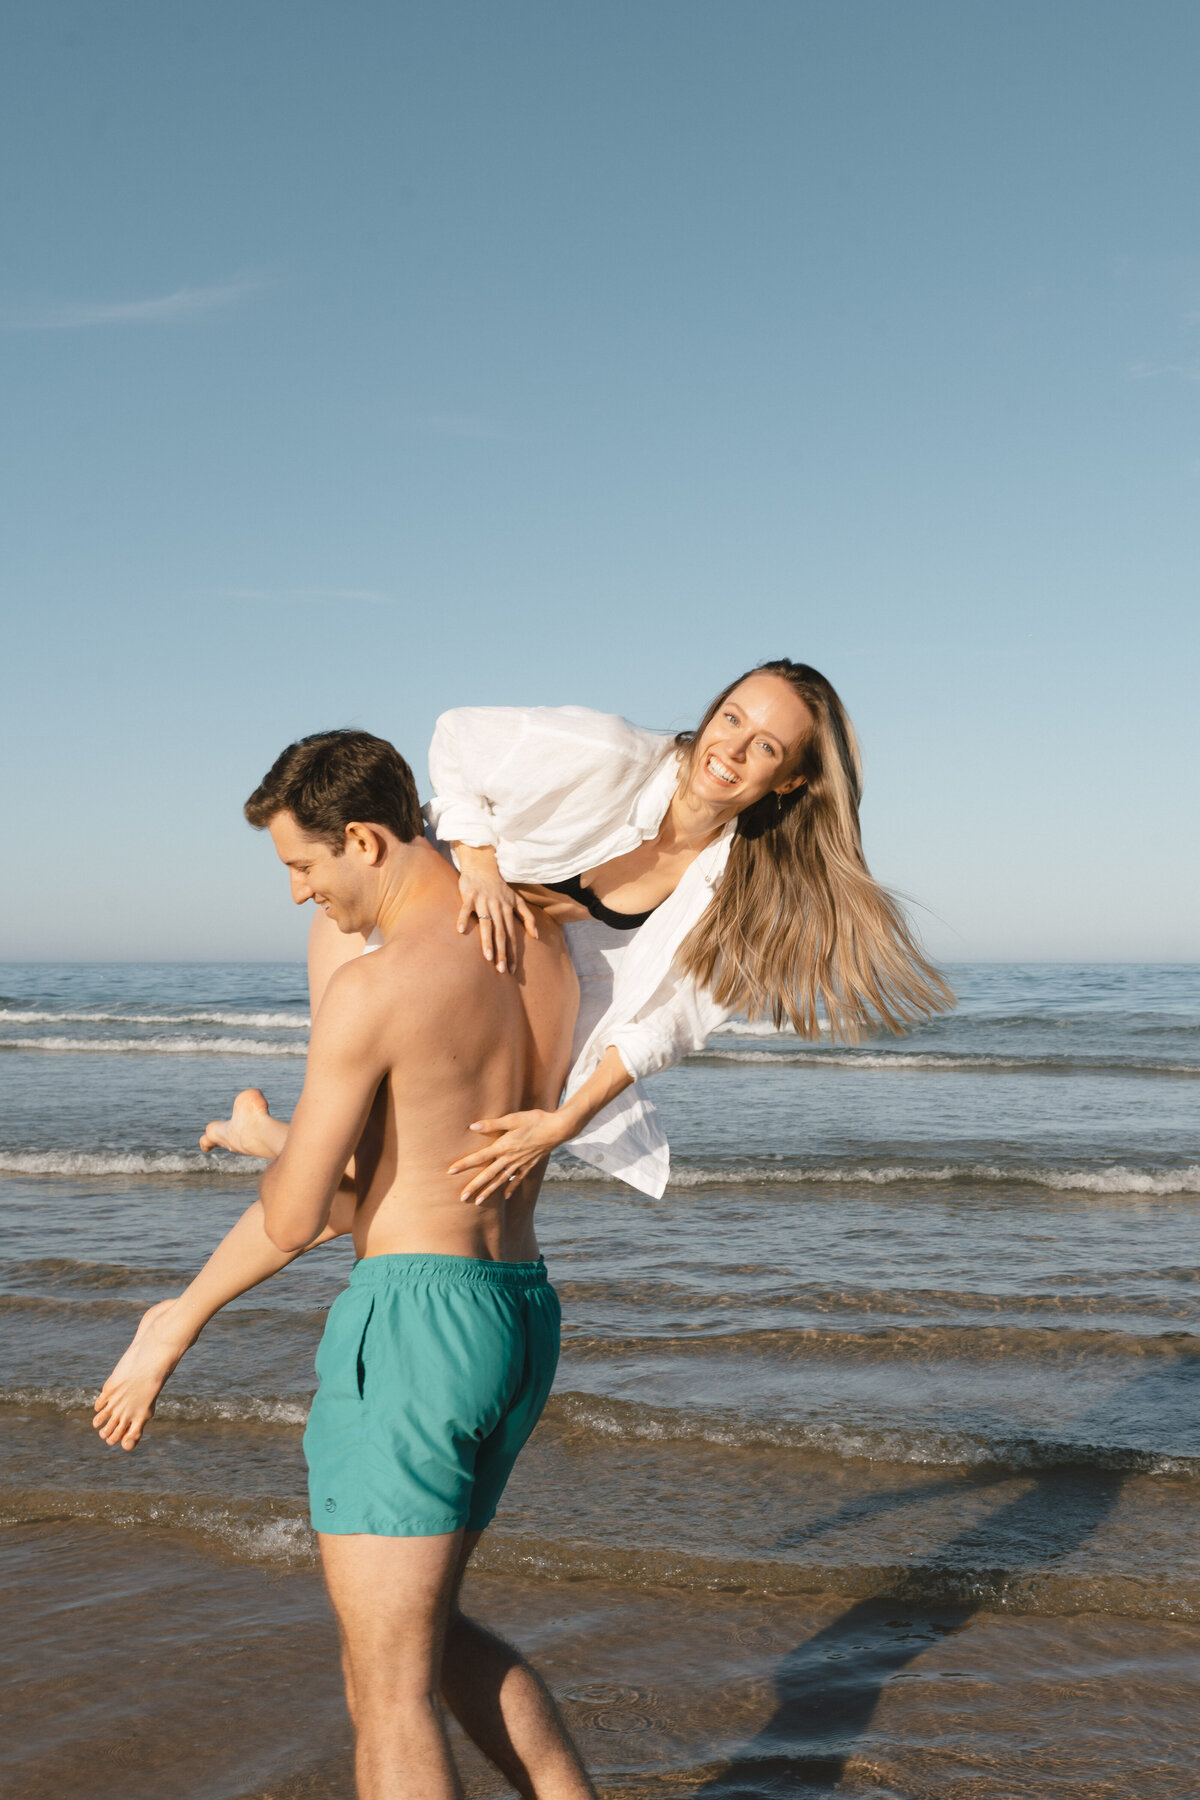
(338,884)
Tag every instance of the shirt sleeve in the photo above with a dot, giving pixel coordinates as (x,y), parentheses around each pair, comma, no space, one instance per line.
(544,775)
(673,1025)
(468,746)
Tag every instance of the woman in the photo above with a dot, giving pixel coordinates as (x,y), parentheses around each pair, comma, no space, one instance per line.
(715,872)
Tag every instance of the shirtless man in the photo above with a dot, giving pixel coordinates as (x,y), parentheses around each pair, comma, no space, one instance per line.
(437,1359)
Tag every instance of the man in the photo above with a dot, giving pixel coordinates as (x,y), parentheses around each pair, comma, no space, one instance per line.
(437,1359)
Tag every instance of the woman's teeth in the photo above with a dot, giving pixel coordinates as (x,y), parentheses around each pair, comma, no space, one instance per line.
(722,774)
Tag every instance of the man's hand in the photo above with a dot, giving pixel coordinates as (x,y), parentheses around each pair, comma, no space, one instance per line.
(526,1138)
(249,1131)
(486,896)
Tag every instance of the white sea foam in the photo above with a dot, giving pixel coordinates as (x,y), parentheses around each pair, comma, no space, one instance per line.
(928,1059)
(631,1421)
(125,1162)
(261,1021)
(756,1028)
(1114,1180)
(193,1409)
(863,1059)
(167,1046)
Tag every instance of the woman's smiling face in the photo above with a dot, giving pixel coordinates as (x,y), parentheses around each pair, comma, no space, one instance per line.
(750,744)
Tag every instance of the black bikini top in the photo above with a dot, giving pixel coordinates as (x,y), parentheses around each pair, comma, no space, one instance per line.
(574,889)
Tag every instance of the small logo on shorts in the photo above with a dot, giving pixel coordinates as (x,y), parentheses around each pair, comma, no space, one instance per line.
(331,1506)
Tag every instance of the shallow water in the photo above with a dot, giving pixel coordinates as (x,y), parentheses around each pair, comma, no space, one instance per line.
(915,1325)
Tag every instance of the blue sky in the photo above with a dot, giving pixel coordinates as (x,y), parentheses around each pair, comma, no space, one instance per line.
(365,360)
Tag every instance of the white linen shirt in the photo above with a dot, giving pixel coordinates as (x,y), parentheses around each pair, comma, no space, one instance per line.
(556,790)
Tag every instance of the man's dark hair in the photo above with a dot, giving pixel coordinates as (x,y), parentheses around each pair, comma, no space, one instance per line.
(333,778)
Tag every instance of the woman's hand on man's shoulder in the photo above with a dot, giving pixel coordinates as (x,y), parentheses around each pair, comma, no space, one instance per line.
(487,898)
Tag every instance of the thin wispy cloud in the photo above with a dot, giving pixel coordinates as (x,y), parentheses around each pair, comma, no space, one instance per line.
(299,596)
(1185,371)
(178,308)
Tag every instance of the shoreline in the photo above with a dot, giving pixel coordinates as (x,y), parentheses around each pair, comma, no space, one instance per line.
(136,1657)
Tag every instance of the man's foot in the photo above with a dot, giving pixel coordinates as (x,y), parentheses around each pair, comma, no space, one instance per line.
(125,1404)
(242,1131)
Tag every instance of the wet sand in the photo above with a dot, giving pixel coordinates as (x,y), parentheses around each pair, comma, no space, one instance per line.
(138,1663)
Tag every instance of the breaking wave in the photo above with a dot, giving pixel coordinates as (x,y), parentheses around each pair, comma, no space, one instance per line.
(167,1046)
(920,1341)
(1117,1179)
(190,1409)
(943,1062)
(127,1162)
(275,1530)
(631,1421)
(262,1021)
(265,1530)
(1114,1179)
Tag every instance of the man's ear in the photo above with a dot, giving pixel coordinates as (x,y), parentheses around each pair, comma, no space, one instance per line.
(369,842)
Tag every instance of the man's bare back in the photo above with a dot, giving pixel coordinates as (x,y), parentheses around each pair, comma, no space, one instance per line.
(461,1046)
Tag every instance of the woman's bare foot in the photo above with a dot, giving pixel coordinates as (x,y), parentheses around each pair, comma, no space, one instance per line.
(125,1404)
(248,1131)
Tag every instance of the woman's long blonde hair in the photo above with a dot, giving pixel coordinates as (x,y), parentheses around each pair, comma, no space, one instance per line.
(798,920)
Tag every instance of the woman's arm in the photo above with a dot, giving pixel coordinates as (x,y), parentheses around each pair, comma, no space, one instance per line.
(527,1137)
(567,775)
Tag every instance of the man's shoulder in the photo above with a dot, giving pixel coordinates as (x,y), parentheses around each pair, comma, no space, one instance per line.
(354,989)
(425,954)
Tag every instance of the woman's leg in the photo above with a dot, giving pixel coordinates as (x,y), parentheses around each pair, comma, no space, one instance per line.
(328,949)
(243,1258)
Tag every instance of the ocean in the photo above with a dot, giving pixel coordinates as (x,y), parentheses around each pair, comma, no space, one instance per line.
(871,1465)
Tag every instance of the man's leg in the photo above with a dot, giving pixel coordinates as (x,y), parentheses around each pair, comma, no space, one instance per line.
(392,1596)
(505,1707)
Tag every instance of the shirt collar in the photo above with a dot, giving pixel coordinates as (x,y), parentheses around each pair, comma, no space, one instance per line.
(656,794)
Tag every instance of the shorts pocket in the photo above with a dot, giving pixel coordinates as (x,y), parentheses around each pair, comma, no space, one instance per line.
(341,1353)
(360,1355)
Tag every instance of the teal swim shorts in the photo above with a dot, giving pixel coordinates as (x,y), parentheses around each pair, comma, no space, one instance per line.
(432,1372)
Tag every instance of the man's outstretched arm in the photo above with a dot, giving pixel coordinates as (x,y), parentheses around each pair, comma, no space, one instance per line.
(245,1257)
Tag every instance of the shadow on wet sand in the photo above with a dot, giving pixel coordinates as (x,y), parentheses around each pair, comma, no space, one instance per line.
(828,1688)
